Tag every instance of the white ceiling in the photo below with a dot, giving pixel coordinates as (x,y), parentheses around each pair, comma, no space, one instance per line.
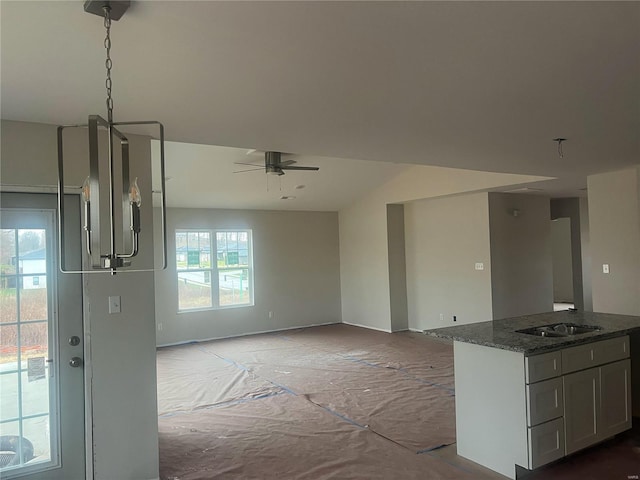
(477,85)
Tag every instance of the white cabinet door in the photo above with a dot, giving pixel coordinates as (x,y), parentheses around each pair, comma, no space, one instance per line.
(581,405)
(615,398)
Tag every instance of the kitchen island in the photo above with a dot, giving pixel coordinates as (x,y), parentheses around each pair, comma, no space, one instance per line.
(529,391)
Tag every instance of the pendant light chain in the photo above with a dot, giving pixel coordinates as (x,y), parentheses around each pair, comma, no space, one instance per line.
(108,63)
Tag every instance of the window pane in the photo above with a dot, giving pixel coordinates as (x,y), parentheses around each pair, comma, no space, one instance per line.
(205,250)
(232,241)
(9,397)
(221,238)
(243,257)
(197,252)
(8,300)
(181,250)
(9,345)
(232,258)
(35,391)
(32,251)
(33,298)
(7,251)
(34,341)
(234,287)
(9,428)
(194,290)
(36,430)
(192,240)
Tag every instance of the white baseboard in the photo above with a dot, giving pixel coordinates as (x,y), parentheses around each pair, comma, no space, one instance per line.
(417,330)
(369,327)
(199,340)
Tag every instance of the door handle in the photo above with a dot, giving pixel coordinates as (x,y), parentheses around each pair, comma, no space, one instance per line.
(75,362)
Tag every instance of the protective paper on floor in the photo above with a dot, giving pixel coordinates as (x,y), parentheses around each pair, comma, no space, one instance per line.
(189,378)
(297,367)
(400,386)
(284,437)
(413,353)
(419,417)
(415,413)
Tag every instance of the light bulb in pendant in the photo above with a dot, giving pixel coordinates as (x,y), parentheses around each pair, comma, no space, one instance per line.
(134,193)
(86,190)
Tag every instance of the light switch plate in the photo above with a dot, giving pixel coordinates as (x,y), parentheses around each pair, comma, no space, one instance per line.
(605,268)
(114,304)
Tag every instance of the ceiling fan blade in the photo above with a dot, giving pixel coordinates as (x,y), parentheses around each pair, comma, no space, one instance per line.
(250,164)
(300,168)
(249,170)
(286,162)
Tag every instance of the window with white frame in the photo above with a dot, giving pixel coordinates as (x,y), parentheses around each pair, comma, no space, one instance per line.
(214,269)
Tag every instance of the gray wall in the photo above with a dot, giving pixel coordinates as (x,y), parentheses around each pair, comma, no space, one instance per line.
(614,218)
(296,264)
(121,368)
(445,238)
(364,265)
(521,270)
(585,247)
(561,260)
(364,250)
(397,268)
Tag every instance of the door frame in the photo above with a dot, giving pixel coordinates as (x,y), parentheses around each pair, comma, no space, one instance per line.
(72,203)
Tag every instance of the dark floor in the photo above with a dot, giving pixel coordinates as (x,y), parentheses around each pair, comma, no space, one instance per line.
(326,403)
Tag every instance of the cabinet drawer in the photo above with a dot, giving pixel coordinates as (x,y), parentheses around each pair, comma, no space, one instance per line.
(611,350)
(594,354)
(546,443)
(545,401)
(541,367)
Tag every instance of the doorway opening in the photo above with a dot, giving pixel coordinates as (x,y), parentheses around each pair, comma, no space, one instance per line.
(563,296)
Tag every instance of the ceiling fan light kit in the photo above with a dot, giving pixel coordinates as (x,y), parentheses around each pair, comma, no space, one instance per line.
(123,200)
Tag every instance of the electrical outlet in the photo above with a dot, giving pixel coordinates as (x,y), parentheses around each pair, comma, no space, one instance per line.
(270,314)
(479,266)
(114,304)
(442,317)
(160,327)
(455,318)
(605,268)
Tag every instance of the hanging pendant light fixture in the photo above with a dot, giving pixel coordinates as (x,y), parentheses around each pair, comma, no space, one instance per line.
(128,194)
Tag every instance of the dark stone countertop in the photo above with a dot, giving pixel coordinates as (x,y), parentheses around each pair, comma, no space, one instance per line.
(502,333)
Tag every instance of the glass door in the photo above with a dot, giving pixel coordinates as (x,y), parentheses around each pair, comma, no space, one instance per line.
(26,326)
(36,389)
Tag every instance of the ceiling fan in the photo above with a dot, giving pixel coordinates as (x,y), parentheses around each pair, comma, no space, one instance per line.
(273,164)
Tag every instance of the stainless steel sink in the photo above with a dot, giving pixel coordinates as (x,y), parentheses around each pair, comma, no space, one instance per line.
(560,330)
